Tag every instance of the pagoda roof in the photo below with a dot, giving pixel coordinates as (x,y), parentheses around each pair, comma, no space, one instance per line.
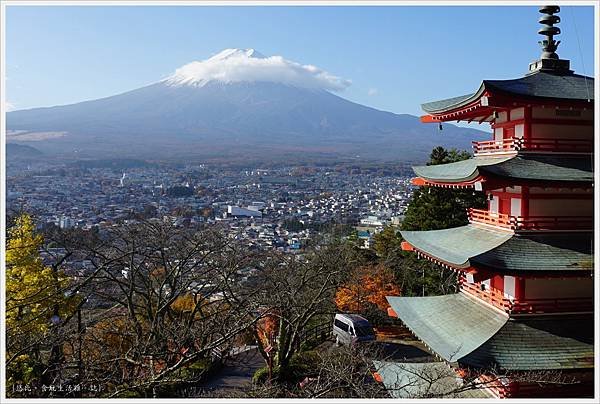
(456,246)
(462,329)
(528,167)
(542,85)
(485,247)
(423,380)
(540,252)
(557,342)
(452,326)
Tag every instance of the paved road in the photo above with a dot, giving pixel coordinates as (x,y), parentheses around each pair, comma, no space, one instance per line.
(236,374)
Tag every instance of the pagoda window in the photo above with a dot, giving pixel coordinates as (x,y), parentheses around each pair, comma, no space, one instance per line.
(559,207)
(502,117)
(517,113)
(515,206)
(519,131)
(558,288)
(498,134)
(493,204)
(558,114)
(509,287)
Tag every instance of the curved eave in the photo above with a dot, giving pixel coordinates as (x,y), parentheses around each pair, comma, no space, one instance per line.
(544,167)
(548,253)
(530,343)
(541,87)
(452,326)
(459,328)
(419,181)
(528,167)
(455,103)
(454,247)
(490,251)
(465,171)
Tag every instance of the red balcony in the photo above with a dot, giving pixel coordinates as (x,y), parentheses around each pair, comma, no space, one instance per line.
(543,145)
(495,146)
(491,295)
(548,305)
(531,223)
(487,217)
(557,145)
(553,223)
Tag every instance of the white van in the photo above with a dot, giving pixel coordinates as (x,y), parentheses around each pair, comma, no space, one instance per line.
(349,329)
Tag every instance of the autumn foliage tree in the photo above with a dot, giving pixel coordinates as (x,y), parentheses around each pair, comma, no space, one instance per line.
(367,285)
(37,303)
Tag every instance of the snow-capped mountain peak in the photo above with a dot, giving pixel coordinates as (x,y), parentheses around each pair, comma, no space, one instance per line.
(235,53)
(249,65)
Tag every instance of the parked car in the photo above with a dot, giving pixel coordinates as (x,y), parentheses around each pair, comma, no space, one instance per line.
(348,329)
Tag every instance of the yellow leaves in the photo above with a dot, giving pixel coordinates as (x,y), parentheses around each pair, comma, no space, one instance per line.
(32,289)
(185,303)
(370,284)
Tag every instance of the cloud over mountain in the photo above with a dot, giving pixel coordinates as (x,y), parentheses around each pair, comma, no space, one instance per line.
(248,65)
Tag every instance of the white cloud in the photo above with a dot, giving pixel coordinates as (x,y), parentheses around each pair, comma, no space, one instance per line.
(372,91)
(237,65)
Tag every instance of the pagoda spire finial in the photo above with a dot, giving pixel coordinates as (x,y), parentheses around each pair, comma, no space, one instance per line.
(548,29)
(549,60)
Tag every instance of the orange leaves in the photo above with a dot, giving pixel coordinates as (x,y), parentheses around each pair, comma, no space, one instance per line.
(369,284)
(266,328)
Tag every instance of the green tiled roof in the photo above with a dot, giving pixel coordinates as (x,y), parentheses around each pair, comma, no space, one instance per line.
(458,244)
(450,325)
(464,170)
(504,251)
(537,85)
(558,342)
(446,104)
(545,168)
(540,252)
(459,328)
(414,380)
(547,85)
(526,167)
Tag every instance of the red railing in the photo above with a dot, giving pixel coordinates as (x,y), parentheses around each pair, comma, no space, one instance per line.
(546,305)
(518,223)
(553,223)
(557,145)
(487,217)
(495,146)
(575,304)
(536,144)
(491,295)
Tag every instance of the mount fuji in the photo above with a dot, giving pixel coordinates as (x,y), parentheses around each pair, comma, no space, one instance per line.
(236,103)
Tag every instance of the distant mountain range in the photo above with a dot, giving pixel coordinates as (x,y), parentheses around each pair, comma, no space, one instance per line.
(234,104)
(18,151)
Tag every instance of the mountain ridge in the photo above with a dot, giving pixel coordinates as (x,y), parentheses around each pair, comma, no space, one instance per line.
(235,116)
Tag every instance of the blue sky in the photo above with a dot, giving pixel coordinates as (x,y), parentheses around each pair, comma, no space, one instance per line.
(396,57)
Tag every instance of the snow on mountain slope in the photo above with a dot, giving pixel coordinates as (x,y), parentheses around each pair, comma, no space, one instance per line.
(249,65)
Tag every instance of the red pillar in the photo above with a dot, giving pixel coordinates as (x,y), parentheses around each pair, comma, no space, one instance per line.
(525,201)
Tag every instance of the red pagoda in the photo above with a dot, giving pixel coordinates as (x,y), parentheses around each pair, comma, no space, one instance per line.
(525,264)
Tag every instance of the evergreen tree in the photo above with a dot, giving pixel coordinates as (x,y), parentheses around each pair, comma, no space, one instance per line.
(430,208)
(434,208)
